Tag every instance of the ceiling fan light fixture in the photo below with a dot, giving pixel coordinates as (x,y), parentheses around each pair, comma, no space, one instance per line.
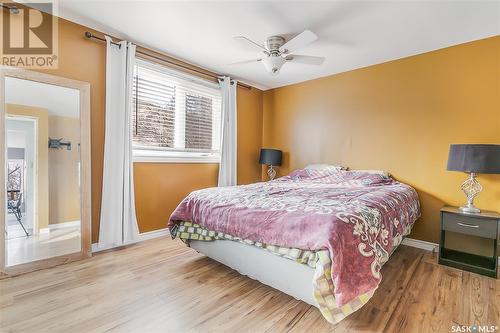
(273,64)
(278,51)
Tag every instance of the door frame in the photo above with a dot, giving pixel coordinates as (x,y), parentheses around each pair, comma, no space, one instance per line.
(85,164)
(30,200)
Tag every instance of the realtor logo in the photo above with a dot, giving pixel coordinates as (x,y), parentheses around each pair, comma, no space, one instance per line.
(29,34)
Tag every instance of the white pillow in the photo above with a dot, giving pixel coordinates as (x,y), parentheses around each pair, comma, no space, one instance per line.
(378,172)
(325,167)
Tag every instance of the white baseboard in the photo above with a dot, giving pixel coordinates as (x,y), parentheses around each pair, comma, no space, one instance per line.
(44,230)
(154,234)
(64,225)
(424,245)
(142,237)
(56,226)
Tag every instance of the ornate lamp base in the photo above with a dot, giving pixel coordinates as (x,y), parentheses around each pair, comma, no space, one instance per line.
(271,173)
(471,187)
(471,209)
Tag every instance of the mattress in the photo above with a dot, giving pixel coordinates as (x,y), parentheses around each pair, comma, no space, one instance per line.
(280,273)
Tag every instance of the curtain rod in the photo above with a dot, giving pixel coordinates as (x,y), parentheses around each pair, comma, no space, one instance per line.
(89,35)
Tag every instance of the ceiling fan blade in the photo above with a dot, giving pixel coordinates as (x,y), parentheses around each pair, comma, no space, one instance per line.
(304,38)
(246,61)
(305,59)
(248,41)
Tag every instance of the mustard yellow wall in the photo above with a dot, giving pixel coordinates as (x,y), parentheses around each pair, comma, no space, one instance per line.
(42,171)
(64,171)
(399,116)
(249,139)
(159,187)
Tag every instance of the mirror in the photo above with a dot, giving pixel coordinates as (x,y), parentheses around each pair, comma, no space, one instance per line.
(43,167)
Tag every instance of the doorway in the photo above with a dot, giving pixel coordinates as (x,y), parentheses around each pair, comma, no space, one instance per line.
(22,219)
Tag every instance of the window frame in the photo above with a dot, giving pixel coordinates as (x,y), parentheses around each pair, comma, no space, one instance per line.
(147,154)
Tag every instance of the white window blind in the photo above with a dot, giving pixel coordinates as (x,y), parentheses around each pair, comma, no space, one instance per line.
(175,117)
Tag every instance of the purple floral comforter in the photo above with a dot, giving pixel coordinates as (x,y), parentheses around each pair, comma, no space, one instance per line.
(358,217)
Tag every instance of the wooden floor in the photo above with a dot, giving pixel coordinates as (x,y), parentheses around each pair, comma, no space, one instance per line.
(56,242)
(162,286)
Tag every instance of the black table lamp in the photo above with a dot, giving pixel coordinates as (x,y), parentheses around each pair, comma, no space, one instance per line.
(272,158)
(473,159)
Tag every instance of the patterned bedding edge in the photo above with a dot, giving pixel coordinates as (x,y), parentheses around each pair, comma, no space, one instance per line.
(318,260)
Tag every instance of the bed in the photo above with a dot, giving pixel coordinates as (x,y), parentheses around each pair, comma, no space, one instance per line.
(320,235)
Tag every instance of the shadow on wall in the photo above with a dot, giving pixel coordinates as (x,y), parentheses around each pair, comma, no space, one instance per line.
(491,179)
(429,222)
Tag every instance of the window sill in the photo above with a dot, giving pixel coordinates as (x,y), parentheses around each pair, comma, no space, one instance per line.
(161,157)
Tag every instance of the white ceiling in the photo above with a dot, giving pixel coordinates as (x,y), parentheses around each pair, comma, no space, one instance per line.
(59,101)
(352,34)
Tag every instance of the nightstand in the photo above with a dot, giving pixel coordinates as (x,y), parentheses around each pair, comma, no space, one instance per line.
(485,224)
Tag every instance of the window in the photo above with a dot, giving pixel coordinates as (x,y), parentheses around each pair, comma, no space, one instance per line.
(175,117)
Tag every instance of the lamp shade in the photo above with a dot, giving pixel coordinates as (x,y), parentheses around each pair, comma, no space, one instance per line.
(270,157)
(474,158)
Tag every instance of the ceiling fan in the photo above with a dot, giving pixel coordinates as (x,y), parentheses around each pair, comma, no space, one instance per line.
(278,51)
